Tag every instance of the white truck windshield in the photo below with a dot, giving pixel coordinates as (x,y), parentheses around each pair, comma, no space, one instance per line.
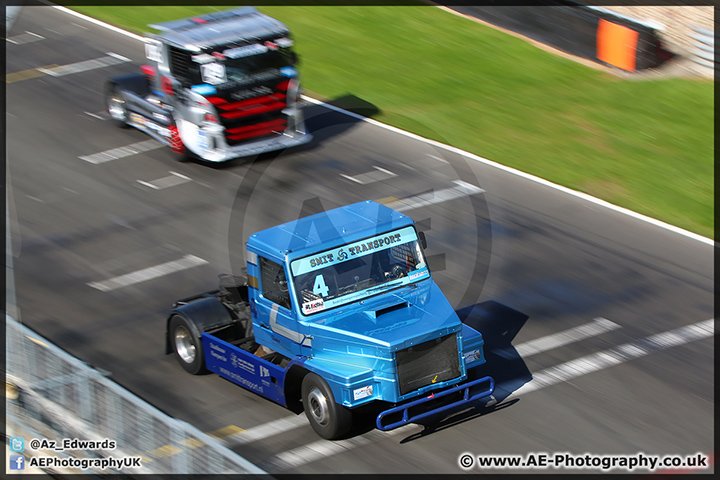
(239,63)
(358,270)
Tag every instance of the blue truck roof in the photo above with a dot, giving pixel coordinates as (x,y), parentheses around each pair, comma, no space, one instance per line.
(327,230)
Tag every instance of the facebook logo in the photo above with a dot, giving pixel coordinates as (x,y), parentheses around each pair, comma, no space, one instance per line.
(17,444)
(17,462)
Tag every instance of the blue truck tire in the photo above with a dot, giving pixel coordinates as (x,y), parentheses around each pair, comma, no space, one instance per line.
(187,345)
(329,419)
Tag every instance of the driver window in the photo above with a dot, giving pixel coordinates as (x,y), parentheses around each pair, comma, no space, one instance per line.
(274,283)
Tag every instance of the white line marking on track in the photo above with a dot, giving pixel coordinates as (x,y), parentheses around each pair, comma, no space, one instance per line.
(469,155)
(170,181)
(119,57)
(94,115)
(265,430)
(121,152)
(98,22)
(463,189)
(548,342)
(26,37)
(370,177)
(188,261)
(613,356)
(324,448)
(62,70)
(35,198)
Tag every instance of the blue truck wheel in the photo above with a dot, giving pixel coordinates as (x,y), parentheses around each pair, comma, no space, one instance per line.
(327,418)
(187,346)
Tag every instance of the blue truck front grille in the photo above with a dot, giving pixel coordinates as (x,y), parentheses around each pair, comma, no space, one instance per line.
(431,362)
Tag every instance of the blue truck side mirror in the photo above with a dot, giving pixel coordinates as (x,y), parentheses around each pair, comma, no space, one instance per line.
(423,240)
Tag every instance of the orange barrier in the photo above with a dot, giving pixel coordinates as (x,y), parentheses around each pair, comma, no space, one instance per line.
(617,45)
(596,34)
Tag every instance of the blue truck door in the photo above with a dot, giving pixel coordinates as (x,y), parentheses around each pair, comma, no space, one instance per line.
(274,313)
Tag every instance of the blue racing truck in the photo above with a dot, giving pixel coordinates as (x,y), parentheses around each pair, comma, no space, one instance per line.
(336,311)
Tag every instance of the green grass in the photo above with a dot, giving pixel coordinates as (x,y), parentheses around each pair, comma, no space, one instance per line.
(643,144)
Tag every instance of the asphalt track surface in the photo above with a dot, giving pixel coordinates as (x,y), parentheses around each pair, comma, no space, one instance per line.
(571,295)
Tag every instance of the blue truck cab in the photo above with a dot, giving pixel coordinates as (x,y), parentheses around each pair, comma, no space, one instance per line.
(338,310)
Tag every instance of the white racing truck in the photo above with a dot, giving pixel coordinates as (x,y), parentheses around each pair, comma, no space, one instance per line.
(217,87)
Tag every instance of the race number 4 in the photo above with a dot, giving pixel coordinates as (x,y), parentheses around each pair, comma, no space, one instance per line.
(320,288)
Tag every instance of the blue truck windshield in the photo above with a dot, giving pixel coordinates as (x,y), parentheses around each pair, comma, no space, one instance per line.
(358,270)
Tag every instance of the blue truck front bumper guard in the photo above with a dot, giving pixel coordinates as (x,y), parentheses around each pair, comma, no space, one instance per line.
(405,408)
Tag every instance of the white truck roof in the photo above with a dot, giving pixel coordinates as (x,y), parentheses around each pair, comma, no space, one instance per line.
(238,25)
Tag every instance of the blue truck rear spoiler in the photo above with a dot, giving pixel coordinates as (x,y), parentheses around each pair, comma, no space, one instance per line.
(405,408)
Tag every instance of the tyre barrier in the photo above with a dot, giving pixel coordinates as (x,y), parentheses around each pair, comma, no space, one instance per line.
(703,51)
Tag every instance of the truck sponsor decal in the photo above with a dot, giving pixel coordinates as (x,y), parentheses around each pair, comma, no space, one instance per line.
(146,124)
(203,58)
(472,356)
(284,42)
(240,380)
(136,119)
(363,392)
(240,363)
(153,51)
(391,327)
(204,89)
(202,140)
(313,306)
(352,250)
(262,77)
(289,72)
(251,93)
(244,368)
(417,274)
(161,117)
(245,51)
(213,73)
(218,352)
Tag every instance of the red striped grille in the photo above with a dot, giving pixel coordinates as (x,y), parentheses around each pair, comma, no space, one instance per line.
(251,106)
(252,117)
(259,129)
